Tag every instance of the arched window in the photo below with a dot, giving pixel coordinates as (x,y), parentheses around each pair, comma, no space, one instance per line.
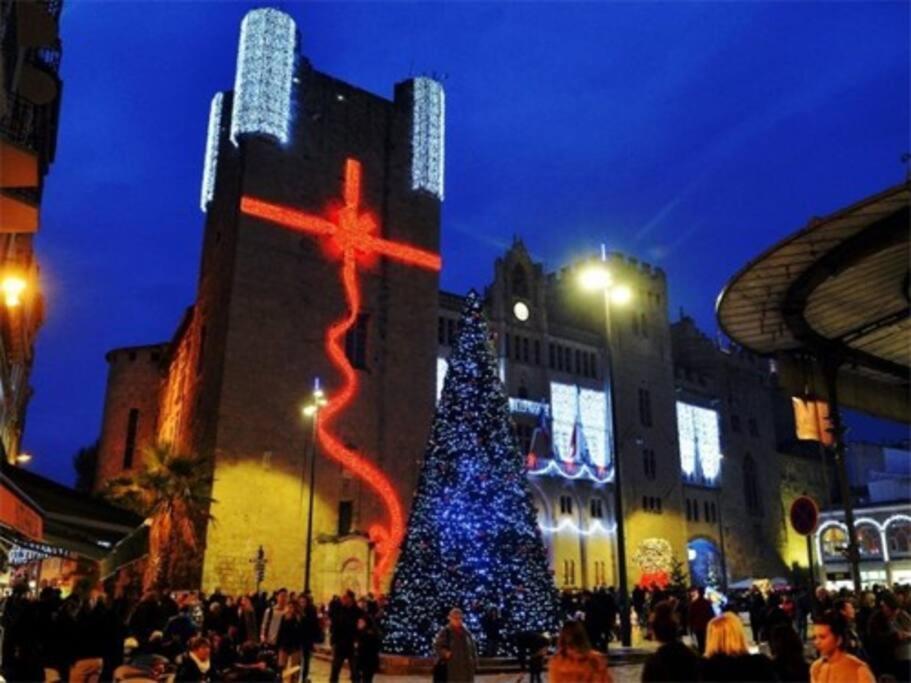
(868,540)
(898,535)
(520,282)
(751,486)
(834,540)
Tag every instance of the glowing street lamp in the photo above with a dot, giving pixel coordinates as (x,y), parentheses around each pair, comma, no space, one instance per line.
(311,410)
(596,277)
(12,287)
(23,458)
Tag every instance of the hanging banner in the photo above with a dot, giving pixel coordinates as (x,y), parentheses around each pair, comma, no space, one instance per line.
(811,417)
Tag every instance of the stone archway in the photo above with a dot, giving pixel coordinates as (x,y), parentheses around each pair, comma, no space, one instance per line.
(704,558)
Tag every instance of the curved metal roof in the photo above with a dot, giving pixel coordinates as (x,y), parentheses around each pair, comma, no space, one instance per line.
(840,287)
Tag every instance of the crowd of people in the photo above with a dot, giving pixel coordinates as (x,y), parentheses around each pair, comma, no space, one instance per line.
(186,636)
(862,638)
(190,637)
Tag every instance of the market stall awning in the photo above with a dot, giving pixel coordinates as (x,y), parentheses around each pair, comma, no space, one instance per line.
(73,522)
(839,288)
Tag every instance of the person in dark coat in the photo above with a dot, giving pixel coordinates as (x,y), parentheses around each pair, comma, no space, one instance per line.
(196,665)
(491,624)
(757,609)
(775,616)
(787,655)
(727,657)
(700,613)
(247,629)
(672,661)
(290,640)
(147,617)
(455,645)
(343,631)
(313,632)
(367,648)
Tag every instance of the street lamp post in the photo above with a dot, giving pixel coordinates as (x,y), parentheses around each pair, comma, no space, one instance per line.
(317,401)
(597,277)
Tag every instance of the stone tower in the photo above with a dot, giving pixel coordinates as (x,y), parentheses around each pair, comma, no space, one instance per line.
(322,205)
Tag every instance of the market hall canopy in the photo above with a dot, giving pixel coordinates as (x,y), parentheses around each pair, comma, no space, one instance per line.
(839,290)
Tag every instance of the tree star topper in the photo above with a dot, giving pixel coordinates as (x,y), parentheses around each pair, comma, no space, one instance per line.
(354,233)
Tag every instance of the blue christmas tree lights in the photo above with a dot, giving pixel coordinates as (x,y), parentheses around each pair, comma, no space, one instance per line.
(473,540)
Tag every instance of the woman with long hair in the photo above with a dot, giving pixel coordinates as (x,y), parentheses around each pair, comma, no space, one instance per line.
(575,660)
(727,657)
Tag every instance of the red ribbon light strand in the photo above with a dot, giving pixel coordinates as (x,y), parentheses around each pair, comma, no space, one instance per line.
(352,232)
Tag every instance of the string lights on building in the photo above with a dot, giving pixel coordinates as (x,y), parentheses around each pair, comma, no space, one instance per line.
(265,74)
(428,136)
(565,524)
(700,442)
(571,404)
(210,167)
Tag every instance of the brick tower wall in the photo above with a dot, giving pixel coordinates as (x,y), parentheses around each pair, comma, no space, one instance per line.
(134,380)
(271,295)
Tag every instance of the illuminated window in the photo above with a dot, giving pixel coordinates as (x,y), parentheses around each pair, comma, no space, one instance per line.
(898,535)
(834,542)
(700,443)
(868,541)
(356,342)
(569,404)
(264,76)
(129,446)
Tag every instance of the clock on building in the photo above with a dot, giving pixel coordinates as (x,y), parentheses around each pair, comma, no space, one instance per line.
(521,311)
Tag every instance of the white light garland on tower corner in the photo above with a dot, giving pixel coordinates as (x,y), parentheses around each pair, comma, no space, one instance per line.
(700,439)
(442,368)
(428,136)
(210,166)
(264,77)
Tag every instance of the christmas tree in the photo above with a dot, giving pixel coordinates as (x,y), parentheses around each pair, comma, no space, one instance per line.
(473,540)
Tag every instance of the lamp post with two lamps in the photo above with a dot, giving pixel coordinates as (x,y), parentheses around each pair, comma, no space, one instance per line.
(311,410)
(596,277)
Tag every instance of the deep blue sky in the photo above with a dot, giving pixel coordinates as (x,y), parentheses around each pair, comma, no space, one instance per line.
(691,135)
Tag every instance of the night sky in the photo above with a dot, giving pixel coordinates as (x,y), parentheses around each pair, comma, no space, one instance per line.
(690,135)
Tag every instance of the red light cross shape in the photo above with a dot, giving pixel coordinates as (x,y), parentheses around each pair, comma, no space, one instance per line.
(353,231)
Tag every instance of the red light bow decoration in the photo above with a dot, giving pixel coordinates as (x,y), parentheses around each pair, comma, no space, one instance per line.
(353,233)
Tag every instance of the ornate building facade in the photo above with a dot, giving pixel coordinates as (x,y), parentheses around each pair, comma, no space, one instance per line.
(319,259)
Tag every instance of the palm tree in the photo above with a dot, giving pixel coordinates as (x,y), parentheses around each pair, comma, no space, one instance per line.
(172,490)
